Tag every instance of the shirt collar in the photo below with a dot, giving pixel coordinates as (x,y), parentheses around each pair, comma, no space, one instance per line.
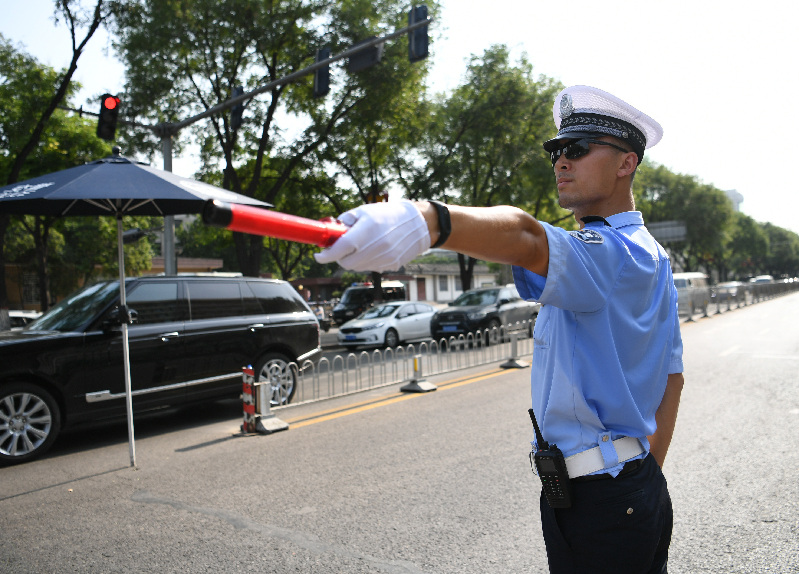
(625,218)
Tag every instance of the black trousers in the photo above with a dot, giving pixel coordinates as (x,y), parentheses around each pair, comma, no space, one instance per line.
(616,526)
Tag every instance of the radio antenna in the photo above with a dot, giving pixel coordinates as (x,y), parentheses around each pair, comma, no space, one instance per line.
(539,438)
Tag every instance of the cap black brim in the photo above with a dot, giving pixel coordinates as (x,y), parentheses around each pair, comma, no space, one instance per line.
(554,143)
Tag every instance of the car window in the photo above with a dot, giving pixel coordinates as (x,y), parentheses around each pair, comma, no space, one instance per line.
(211,299)
(156,303)
(78,309)
(393,293)
(470,298)
(509,295)
(408,310)
(277,297)
(680,283)
(357,296)
(379,311)
(424,308)
(251,304)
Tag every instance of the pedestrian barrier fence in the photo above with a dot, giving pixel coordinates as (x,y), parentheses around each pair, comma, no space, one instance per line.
(356,372)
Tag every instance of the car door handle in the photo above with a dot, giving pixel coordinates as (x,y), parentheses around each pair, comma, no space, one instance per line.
(255,326)
(166,336)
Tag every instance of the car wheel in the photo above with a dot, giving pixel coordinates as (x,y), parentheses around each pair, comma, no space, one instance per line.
(392,338)
(29,422)
(274,368)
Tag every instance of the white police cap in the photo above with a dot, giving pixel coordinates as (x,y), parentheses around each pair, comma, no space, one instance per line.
(583,111)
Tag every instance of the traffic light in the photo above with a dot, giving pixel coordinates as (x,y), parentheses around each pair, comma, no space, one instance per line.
(417,39)
(107,120)
(365,58)
(321,77)
(237,110)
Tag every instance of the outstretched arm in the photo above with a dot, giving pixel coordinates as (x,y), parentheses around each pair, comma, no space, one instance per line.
(502,234)
(385,236)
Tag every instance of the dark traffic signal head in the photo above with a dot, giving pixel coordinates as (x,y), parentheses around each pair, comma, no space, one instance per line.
(321,77)
(237,110)
(367,57)
(417,39)
(107,120)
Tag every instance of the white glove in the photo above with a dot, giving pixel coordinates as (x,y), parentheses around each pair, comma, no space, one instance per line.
(382,237)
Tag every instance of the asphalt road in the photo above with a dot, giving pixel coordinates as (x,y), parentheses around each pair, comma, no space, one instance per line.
(434,483)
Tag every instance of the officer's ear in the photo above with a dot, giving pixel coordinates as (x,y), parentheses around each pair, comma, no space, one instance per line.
(629,162)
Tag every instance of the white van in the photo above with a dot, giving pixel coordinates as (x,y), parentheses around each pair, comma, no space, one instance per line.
(693,291)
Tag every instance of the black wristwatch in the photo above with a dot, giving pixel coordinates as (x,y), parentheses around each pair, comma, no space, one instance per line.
(444,223)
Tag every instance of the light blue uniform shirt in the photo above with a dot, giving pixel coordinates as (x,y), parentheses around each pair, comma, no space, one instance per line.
(607,335)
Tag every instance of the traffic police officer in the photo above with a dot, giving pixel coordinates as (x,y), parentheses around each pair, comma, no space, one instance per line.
(607,364)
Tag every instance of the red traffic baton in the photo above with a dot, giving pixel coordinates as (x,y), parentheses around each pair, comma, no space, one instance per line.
(259,221)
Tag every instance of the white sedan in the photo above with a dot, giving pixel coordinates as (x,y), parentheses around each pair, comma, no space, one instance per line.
(388,324)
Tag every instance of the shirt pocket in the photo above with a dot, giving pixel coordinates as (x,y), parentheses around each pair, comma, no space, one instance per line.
(541,331)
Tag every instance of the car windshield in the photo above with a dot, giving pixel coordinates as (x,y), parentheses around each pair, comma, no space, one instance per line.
(356,296)
(78,309)
(379,311)
(471,298)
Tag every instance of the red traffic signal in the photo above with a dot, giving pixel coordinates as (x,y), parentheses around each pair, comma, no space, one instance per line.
(107,120)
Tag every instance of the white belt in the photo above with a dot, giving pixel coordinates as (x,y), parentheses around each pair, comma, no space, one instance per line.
(590,461)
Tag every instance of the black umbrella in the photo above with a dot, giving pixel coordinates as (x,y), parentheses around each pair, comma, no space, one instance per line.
(114,186)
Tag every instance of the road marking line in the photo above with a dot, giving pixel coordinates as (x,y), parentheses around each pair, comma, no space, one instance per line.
(730,351)
(375,403)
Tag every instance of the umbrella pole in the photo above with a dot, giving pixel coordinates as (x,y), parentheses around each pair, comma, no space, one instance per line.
(125,348)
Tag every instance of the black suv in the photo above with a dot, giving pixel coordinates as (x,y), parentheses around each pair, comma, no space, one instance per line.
(485,308)
(190,338)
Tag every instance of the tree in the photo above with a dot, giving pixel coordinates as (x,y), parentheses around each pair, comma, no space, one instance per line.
(489,148)
(706,211)
(37,138)
(782,258)
(23,70)
(747,247)
(362,151)
(186,56)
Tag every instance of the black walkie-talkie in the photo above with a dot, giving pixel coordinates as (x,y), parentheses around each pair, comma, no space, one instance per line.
(551,469)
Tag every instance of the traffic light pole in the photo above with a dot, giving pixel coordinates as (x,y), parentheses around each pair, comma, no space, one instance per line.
(168,241)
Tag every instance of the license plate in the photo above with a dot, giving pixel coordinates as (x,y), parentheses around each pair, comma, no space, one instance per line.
(450,328)
(349,337)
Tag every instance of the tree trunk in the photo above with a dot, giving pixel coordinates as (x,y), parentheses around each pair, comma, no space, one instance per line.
(377,281)
(466,265)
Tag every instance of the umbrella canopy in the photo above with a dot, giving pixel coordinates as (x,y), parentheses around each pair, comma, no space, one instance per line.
(115,186)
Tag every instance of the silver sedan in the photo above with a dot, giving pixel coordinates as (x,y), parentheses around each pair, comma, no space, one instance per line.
(387,325)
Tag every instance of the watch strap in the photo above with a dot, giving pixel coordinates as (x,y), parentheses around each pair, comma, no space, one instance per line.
(444,222)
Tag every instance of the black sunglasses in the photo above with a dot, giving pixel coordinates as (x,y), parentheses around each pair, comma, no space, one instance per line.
(578,148)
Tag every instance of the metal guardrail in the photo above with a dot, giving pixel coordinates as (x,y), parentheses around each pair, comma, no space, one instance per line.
(726,299)
(356,372)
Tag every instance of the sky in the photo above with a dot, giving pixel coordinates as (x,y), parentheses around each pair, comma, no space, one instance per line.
(718,76)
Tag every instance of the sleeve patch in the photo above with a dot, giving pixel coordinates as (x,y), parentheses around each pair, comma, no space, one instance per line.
(587,236)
